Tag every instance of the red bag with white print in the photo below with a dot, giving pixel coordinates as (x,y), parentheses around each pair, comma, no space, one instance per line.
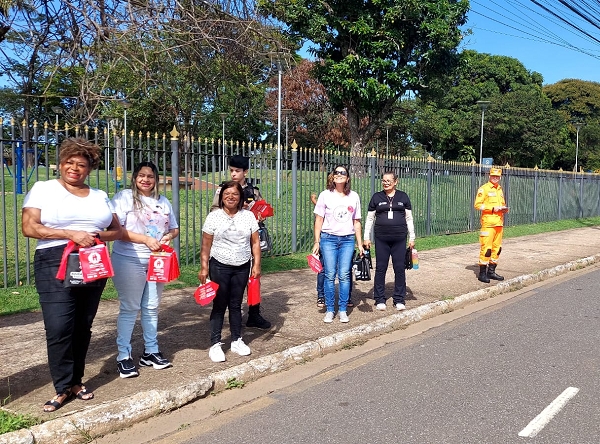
(163,265)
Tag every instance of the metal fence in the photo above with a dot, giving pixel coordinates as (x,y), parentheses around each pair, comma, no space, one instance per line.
(441,193)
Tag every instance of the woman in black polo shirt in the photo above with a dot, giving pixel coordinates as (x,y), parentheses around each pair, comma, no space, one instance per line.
(391,211)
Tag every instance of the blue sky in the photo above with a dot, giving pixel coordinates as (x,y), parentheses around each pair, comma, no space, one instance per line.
(541,41)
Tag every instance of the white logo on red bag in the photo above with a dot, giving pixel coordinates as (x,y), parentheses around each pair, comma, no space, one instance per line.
(94,258)
(159,263)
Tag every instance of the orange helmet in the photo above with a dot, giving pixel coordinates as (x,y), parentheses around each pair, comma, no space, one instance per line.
(495,172)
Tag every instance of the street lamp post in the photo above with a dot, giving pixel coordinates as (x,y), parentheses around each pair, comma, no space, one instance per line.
(278,57)
(577,126)
(279,73)
(286,112)
(223,115)
(387,138)
(126,105)
(483,104)
(56,110)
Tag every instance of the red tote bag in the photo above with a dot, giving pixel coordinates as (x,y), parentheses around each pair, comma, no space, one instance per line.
(94,263)
(163,265)
(254,291)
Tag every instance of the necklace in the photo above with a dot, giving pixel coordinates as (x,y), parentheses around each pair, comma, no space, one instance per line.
(390,199)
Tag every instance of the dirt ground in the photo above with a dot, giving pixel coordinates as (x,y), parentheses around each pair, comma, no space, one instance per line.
(289,302)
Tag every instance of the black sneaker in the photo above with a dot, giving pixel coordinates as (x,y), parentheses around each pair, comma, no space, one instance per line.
(257,321)
(155,360)
(127,368)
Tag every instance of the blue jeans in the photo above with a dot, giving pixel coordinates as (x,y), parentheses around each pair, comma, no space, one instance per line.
(135,294)
(337,254)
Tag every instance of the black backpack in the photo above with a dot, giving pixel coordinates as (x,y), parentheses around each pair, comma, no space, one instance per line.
(362,265)
(266,244)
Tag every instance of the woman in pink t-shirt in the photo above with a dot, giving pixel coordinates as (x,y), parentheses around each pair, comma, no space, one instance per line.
(337,227)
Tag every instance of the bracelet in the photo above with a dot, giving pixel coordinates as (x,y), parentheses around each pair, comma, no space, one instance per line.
(317,242)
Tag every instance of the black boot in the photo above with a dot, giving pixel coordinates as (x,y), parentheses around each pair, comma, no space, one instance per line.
(483,276)
(491,273)
(255,319)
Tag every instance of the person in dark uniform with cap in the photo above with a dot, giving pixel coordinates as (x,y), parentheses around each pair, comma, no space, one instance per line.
(238,169)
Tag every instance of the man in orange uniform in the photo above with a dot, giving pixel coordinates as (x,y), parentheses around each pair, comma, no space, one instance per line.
(490,201)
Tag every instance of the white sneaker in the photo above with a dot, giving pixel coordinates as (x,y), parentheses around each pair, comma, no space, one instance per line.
(400,306)
(380,306)
(240,348)
(343,316)
(215,353)
(328,317)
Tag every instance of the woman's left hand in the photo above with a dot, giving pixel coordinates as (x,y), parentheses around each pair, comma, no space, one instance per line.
(152,244)
(255,273)
(411,245)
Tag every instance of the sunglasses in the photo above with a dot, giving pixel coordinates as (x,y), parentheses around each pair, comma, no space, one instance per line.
(340,173)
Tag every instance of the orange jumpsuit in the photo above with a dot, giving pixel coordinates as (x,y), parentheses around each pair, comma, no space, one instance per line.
(492,224)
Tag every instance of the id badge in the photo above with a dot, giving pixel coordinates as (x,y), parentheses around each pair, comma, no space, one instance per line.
(390,214)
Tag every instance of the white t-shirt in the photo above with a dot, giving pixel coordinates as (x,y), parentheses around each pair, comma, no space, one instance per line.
(231,235)
(338,212)
(154,220)
(61,209)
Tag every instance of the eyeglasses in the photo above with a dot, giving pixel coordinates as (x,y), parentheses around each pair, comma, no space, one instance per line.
(386,181)
(340,173)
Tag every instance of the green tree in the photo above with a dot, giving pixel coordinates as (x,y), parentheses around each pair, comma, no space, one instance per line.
(578,101)
(520,126)
(371,53)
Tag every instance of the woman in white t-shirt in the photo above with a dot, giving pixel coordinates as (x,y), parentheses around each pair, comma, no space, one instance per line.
(337,225)
(230,253)
(148,221)
(54,212)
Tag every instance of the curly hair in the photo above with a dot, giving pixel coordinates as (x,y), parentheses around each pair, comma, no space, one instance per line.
(78,146)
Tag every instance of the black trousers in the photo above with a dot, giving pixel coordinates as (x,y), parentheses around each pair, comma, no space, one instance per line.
(384,248)
(68,316)
(232,280)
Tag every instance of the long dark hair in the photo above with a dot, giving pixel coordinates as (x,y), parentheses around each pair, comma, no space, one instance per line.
(232,184)
(331,184)
(138,203)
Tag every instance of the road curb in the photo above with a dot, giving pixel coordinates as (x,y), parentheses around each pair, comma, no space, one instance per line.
(122,413)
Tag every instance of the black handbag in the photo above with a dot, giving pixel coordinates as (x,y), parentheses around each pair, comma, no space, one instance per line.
(266,244)
(74,275)
(408,263)
(362,265)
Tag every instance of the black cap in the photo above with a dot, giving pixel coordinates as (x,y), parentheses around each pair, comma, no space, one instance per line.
(238,161)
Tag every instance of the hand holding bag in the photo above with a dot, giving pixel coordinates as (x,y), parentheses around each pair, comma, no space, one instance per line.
(205,293)
(314,263)
(163,265)
(97,263)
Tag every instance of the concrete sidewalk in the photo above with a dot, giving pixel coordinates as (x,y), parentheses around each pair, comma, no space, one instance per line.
(446,280)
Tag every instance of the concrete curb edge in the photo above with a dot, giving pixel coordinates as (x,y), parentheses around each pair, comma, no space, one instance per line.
(99,420)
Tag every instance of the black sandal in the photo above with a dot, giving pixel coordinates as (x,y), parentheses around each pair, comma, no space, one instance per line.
(320,302)
(350,304)
(55,403)
(82,393)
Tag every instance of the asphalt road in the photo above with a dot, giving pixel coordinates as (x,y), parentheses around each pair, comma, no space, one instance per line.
(479,376)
